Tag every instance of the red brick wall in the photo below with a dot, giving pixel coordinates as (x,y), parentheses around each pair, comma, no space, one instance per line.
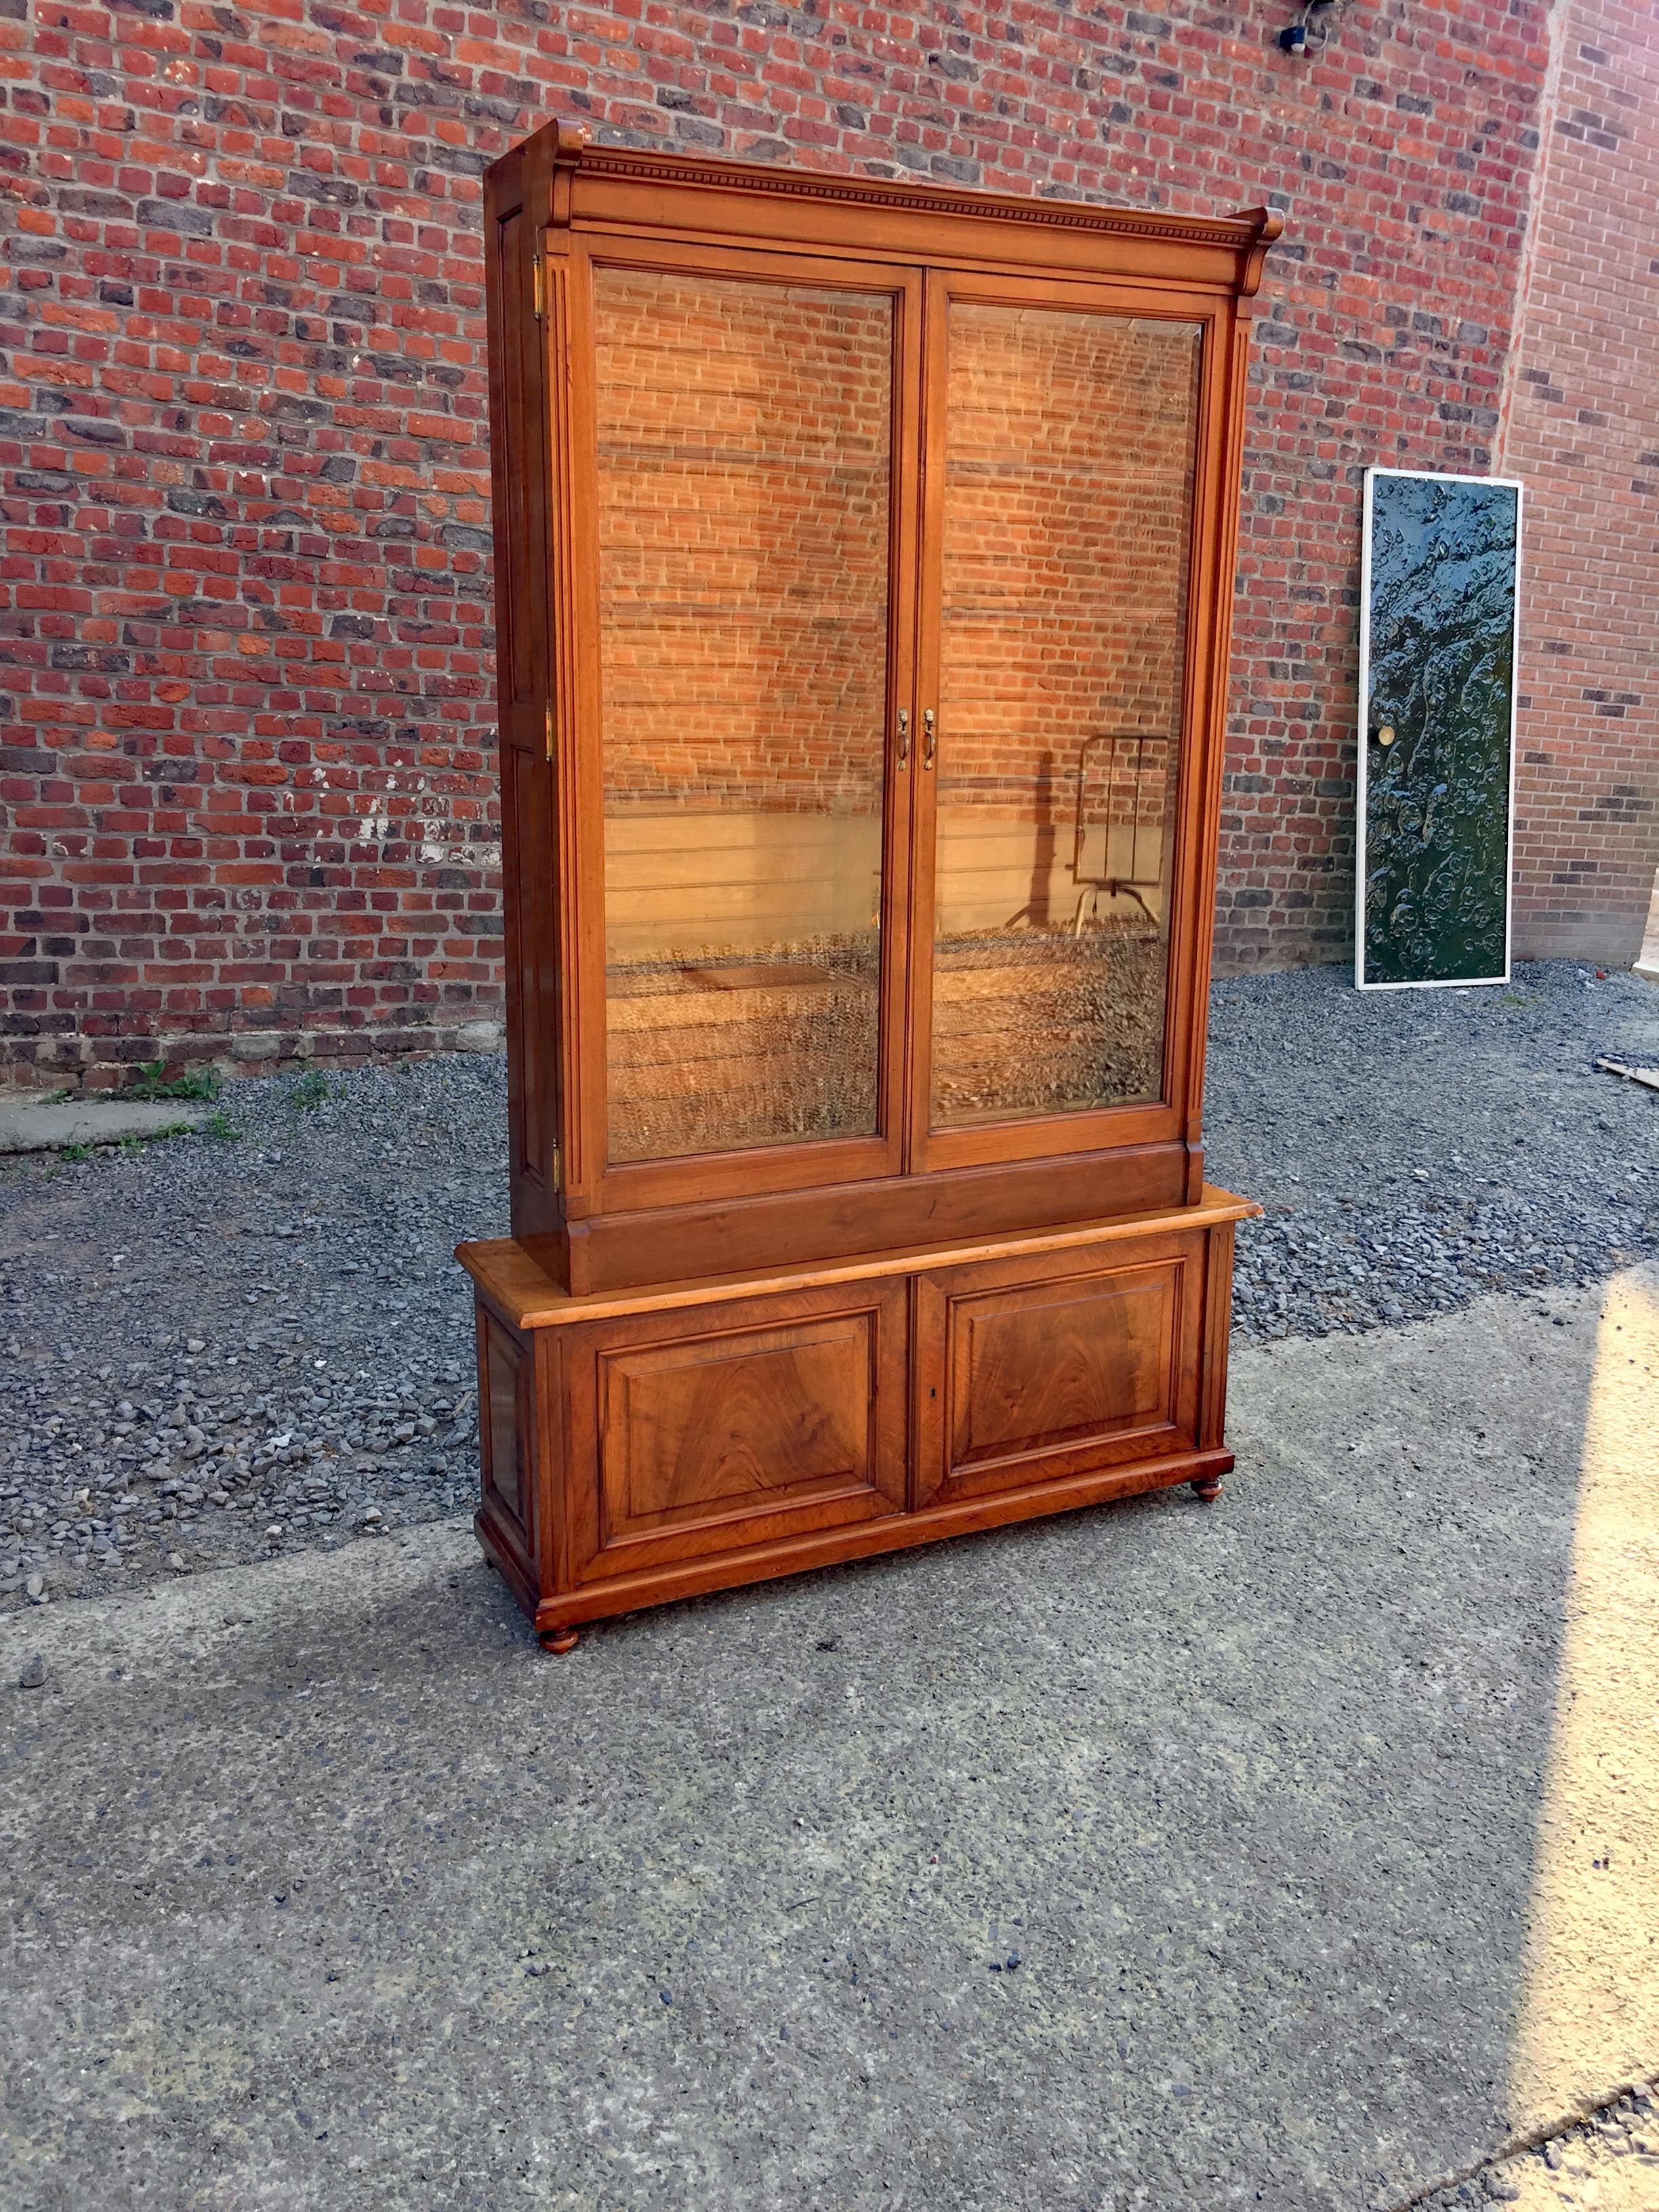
(1582,429)
(245,761)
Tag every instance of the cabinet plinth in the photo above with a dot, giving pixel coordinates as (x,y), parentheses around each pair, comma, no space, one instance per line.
(863,569)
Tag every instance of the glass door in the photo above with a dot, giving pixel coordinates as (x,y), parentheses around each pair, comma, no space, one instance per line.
(750,527)
(1062,445)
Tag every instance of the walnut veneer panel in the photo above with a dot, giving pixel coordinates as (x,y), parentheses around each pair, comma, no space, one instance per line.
(1037,1378)
(700,1430)
(1032,1370)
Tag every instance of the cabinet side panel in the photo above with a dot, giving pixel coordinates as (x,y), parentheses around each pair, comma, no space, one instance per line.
(512,435)
(519,470)
(505,1476)
(1218,1324)
(518,449)
(509,1509)
(526,806)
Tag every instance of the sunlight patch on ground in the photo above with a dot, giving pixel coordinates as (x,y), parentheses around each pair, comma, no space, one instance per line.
(1593,2182)
(1591,2016)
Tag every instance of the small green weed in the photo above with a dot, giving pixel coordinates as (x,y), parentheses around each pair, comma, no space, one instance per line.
(218,1125)
(150,1084)
(310,1091)
(76,1153)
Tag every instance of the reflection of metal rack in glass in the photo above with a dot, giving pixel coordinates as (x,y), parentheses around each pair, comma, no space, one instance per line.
(1120,821)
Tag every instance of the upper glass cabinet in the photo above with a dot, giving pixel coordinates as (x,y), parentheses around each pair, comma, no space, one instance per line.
(744,478)
(891,589)
(864,566)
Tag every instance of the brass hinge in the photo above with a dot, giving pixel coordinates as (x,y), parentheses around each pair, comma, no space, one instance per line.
(549,729)
(538,296)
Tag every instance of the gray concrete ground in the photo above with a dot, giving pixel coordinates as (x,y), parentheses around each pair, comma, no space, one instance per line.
(1162,1856)
(27,1125)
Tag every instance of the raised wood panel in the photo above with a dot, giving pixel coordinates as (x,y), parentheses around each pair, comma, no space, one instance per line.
(1034,1370)
(1019,1380)
(738,1424)
(504,1419)
(782,1414)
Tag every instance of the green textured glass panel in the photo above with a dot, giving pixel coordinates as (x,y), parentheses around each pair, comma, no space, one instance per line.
(1441,677)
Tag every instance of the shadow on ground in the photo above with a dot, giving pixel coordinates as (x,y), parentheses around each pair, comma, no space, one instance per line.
(1159,1858)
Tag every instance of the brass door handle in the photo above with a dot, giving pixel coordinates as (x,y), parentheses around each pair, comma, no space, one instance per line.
(930,736)
(904,737)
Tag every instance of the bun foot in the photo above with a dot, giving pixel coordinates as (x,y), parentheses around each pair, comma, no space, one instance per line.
(1208,1488)
(558,1639)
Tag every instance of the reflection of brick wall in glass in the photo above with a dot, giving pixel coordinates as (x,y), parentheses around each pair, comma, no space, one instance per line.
(1069,454)
(745,464)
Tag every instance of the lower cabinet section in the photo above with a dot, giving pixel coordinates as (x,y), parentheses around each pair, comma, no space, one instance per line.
(647,1445)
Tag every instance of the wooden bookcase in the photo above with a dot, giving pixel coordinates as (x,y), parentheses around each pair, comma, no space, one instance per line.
(864,556)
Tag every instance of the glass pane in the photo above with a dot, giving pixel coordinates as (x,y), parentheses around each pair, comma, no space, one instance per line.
(1434,855)
(1068,481)
(743,451)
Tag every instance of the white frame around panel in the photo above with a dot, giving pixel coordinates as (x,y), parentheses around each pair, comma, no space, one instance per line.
(1438,982)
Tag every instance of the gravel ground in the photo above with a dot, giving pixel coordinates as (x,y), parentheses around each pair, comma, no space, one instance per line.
(1415,1148)
(223,1349)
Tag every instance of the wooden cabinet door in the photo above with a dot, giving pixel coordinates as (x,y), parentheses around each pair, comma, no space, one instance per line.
(1069,591)
(711,1428)
(747,456)
(1040,1368)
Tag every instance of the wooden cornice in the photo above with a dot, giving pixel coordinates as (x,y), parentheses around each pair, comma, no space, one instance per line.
(575,155)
